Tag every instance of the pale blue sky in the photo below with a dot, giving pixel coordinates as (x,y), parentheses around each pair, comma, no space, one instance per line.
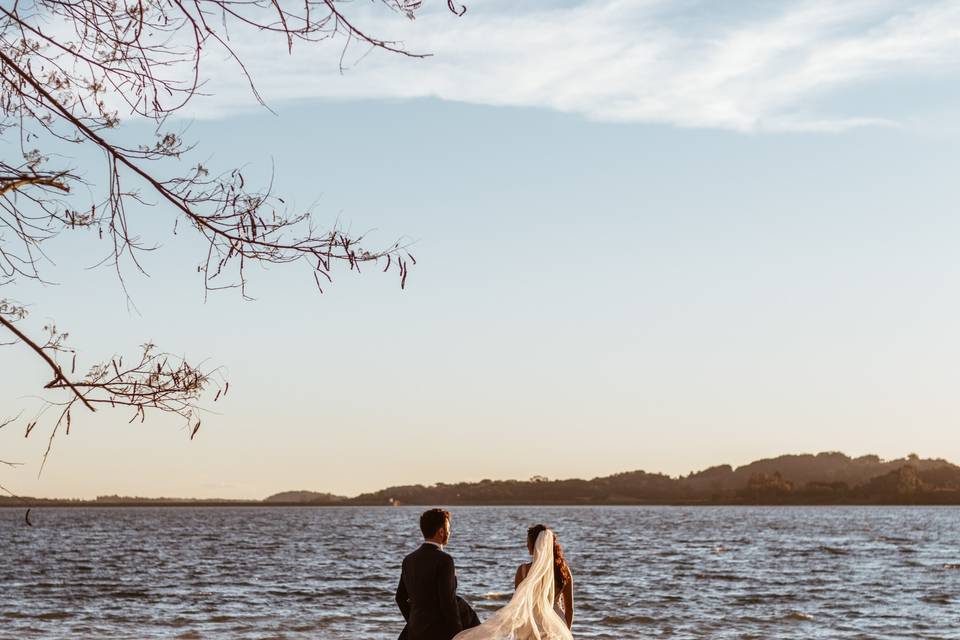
(597,291)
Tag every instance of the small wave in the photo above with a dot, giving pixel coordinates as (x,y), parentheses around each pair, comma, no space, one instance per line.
(178,622)
(303,594)
(629,620)
(895,539)
(764,598)
(952,565)
(131,594)
(221,618)
(937,598)
(496,547)
(495,595)
(718,576)
(358,590)
(304,628)
(836,551)
(54,615)
(797,615)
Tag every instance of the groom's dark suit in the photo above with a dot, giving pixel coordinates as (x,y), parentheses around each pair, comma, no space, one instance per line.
(427,596)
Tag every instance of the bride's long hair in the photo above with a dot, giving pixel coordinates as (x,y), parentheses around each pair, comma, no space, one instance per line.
(561,572)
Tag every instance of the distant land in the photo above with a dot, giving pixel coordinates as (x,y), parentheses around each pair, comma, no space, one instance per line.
(823,479)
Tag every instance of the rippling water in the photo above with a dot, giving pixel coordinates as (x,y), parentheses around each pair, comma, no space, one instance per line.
(330,573)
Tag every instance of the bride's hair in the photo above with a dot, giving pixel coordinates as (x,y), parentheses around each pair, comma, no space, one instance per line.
(561,572)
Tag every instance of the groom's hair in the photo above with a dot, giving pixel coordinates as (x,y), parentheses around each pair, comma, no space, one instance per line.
(432,521)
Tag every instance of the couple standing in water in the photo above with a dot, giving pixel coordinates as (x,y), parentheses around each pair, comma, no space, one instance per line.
(541,607)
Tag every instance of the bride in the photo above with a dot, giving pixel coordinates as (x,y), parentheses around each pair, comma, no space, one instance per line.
(542,605)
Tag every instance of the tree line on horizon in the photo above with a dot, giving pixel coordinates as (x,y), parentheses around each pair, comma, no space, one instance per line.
(824,478)
(821,479)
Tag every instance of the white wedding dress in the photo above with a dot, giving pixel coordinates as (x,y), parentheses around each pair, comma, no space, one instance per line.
(531,613)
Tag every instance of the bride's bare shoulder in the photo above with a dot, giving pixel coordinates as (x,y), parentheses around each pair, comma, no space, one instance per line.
(522,571)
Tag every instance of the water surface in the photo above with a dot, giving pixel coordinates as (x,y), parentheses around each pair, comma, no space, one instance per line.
(330,573)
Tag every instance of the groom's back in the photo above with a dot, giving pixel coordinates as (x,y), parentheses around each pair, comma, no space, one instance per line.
(424,574)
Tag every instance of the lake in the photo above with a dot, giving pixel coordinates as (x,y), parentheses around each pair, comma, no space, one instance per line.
(330,573)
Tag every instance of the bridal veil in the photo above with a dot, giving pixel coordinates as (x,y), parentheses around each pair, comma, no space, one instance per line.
(530,614)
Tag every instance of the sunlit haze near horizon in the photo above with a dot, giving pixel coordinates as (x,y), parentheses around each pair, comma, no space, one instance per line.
(650,235)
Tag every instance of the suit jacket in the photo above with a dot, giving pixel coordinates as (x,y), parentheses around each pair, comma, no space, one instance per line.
(468,617)
(427,595)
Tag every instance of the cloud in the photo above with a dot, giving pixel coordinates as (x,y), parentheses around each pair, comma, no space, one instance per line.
(687,64)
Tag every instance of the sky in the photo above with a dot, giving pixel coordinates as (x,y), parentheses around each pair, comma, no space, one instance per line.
(649,235)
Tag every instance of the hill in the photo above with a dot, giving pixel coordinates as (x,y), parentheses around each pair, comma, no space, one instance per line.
(304,497)
(824,478)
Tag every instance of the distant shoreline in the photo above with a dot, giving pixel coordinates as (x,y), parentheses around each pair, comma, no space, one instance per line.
(809,480)
(29,504)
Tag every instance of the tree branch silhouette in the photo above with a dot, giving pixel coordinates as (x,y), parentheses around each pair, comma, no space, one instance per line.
(70,72)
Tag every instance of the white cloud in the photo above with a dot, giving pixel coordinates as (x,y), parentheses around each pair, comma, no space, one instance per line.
(684,64)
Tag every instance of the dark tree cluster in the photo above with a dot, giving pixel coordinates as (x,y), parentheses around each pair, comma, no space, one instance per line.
(789,479)
(785,480)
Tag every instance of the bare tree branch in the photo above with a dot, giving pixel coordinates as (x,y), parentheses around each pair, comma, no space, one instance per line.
(67,70)
(59,379)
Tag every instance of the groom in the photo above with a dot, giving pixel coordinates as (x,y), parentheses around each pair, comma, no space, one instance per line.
(427,593)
